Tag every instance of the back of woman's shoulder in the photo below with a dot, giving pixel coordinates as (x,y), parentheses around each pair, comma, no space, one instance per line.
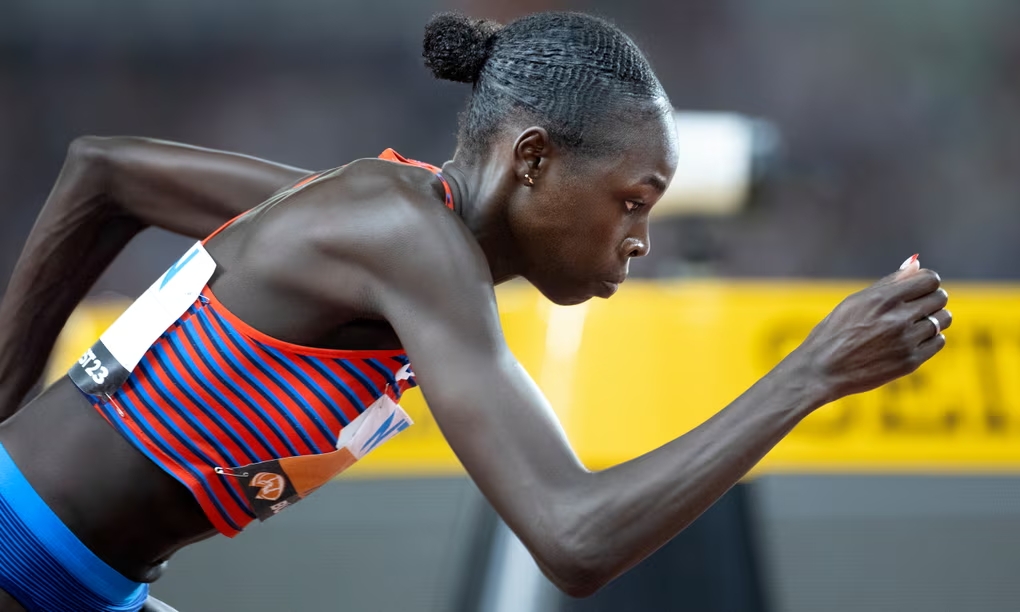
(370,179)
(388,203)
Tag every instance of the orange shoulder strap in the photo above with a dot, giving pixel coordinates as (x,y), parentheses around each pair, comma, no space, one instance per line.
(393,156)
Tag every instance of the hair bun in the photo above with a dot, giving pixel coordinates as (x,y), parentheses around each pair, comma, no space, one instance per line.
(456,47)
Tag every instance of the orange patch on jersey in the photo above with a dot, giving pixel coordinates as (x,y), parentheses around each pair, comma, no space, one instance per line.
(310,472)
(270,485)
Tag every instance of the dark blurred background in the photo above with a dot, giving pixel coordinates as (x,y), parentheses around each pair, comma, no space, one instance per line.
(901,118)
(900,123)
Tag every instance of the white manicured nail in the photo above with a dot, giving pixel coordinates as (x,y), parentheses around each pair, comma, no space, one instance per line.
(909,261)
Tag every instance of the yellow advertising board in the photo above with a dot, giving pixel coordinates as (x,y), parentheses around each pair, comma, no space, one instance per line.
(629,374)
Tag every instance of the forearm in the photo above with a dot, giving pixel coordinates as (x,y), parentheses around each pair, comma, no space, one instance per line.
(875,335)
(585,528)
(76,235)
(108,190)
(623,514)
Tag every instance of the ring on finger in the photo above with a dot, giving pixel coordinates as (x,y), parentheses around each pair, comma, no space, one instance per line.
(938,326)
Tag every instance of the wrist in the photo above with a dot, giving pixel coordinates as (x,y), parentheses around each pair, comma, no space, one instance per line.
(809,387)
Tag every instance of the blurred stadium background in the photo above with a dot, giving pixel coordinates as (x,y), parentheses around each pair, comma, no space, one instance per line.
(825,141)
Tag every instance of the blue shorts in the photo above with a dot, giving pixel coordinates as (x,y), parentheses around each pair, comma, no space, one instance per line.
(44,566)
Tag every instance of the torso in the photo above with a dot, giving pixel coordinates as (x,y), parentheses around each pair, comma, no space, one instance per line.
(272,273)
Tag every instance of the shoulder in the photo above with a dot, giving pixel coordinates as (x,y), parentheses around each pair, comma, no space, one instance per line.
(393,223)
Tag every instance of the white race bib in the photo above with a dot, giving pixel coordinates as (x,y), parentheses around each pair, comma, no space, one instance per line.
(104,367)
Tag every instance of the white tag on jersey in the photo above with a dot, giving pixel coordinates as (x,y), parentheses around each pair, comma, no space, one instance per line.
(105,366)
(131,336)
(377,424)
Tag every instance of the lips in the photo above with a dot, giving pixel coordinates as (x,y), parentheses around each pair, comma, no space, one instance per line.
(608,288)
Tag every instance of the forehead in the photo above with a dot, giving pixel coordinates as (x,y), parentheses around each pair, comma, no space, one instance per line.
(640,147)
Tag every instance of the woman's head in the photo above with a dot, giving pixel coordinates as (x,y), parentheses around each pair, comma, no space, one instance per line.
(569,107)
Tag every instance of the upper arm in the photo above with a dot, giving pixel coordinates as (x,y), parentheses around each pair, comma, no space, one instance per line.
(437,293)
(185,189)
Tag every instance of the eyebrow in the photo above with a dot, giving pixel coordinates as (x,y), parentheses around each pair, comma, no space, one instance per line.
(655,182)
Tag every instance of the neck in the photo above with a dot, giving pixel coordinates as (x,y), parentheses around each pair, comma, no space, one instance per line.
(479,195)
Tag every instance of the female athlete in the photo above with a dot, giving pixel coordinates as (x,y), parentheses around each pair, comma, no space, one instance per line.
(269,357)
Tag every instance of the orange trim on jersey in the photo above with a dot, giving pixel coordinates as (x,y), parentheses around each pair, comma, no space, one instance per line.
(255,334)
(393,156)
(306,180)
(222,227)
(251,332)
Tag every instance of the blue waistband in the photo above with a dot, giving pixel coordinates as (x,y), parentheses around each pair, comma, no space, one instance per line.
(41,558)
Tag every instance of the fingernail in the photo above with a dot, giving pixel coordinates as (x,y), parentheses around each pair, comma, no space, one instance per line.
(909,261)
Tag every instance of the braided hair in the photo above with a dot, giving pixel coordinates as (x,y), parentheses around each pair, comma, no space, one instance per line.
(570,73)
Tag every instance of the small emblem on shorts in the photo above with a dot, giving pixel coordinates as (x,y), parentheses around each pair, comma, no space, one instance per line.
(270,485)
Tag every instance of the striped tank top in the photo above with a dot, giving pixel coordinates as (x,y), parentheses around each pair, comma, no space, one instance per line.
(248,423)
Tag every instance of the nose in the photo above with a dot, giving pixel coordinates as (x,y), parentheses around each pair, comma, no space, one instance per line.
(637,244)
(636,248)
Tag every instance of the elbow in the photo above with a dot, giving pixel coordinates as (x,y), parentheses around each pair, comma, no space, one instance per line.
(95,172)
(580,590)
(89,162)
(574,577)
(573,542)
(89,150)
(575,564)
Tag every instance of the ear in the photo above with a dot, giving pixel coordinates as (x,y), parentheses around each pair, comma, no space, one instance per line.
(531,149)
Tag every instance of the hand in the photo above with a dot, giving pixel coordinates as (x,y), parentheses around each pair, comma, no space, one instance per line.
(879,334)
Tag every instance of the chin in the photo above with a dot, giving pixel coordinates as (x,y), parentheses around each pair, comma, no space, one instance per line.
(571,301)
(562,298)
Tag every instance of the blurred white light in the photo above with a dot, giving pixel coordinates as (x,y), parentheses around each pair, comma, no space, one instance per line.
(714,171)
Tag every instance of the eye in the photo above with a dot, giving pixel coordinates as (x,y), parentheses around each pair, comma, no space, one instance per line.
(633,206)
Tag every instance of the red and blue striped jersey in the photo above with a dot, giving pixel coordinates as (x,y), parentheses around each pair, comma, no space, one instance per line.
(213,394)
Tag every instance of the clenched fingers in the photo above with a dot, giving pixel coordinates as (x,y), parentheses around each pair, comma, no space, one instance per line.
(928,304)
(913,286)
(926,329)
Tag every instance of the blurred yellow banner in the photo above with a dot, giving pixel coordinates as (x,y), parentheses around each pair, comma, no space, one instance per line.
(630,374)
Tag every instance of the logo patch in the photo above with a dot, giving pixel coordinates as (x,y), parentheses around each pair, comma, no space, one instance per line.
(270,485)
